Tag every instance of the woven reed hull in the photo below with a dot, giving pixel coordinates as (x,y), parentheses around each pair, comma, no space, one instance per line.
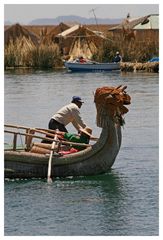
(96,159)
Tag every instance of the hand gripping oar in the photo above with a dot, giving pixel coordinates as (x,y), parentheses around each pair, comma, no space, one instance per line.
(49,179)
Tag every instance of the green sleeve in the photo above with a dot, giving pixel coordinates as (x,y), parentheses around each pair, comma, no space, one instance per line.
(72,137)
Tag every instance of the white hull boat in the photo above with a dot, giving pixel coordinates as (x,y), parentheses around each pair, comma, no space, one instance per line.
(91,66)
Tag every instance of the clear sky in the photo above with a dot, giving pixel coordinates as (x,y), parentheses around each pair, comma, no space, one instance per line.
(24,13)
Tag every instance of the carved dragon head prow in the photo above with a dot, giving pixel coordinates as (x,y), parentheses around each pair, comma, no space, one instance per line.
(110,103)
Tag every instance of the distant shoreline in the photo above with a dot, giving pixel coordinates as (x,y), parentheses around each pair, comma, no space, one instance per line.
(124,67)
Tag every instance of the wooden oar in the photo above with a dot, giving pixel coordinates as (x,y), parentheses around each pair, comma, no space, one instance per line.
(49,179)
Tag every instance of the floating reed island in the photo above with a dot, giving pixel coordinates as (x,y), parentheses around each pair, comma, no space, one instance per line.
(133,67)
(45,47)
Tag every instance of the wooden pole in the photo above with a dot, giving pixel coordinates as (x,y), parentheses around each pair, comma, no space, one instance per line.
(50,139)
(14,141)
(49,179)
(41,130)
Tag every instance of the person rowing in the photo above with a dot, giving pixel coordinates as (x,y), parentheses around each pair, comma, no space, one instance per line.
(68,114)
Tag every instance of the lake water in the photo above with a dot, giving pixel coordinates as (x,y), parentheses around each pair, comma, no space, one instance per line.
(123,202)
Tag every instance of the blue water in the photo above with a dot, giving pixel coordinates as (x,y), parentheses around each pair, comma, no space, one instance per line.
(122,202)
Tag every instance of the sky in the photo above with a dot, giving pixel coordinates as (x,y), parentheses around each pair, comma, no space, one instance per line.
(24,13)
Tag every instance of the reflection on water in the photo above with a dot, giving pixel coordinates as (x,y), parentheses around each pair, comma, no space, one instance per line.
(122,202)
(95,200)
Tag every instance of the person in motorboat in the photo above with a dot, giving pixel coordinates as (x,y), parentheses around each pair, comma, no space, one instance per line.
(82,60)
(117,58)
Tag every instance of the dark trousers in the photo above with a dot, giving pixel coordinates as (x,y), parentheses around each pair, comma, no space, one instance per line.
(53,124)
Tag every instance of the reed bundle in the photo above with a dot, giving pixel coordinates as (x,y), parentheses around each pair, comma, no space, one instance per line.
(110,103)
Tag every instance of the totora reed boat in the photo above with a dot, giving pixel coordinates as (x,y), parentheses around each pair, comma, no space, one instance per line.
(98,158)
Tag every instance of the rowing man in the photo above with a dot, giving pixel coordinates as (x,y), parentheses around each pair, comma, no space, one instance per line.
(68,114)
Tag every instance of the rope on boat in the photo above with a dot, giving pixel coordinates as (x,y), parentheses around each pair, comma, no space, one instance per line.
(110,103)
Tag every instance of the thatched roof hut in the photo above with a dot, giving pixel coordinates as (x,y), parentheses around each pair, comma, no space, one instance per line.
(79,40)
(15,32)
(49,38)
(59,29)
(147,22)
(140,28)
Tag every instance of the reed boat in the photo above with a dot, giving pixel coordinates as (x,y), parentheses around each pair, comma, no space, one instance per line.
(97,158)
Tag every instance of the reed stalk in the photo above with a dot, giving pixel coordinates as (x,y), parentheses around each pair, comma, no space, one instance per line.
(23,53)
(133,51)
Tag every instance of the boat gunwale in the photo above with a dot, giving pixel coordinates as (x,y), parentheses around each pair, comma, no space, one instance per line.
(67,159)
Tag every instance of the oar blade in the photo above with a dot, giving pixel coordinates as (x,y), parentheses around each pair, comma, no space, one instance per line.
(49,180)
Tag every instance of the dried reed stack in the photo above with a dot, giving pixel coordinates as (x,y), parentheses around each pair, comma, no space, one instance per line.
(22,49)
(131,51)
(110,103)
(25,49)
(132,67)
